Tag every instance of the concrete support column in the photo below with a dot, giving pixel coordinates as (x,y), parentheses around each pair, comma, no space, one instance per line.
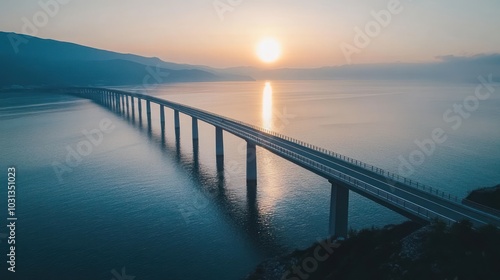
(139,107)
(132,105)
(194,126)
(339,208)
(126,99)
(162,117)
(148,111)
(177,120)
(251,164)
(117,100)
(219,142)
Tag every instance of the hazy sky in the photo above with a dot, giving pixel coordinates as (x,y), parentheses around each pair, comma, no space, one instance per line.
(311,32)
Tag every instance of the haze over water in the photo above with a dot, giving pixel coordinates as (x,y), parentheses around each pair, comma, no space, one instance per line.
(162,211)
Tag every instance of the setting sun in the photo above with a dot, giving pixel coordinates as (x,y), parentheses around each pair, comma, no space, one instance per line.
(269,50)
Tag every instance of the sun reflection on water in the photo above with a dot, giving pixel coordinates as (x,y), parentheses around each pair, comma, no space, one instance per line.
(267,106)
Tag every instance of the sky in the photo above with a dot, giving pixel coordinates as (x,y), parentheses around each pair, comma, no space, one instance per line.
(225,33)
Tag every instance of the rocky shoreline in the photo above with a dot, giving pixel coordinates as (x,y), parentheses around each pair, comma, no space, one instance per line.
(404,251)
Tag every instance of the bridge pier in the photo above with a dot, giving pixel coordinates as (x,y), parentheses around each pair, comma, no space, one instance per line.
(219,142)
(339,208)
(148,112)
(162,118)
(139,107)
(133,107)
(126,100)
(251,165)
(177,120)
(117,101)
(194,127)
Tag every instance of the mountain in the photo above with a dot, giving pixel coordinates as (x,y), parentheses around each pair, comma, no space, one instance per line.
(28,60)
(447,68)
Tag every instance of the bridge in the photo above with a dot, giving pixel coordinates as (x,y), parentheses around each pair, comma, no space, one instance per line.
(402,195)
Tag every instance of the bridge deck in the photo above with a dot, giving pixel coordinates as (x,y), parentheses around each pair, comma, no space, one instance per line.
(402,195)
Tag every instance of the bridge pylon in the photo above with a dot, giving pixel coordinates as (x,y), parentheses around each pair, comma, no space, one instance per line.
(194,128)
(219,142)
(251,165)
(339,209)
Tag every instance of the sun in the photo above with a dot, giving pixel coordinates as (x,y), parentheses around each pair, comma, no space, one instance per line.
(269,50)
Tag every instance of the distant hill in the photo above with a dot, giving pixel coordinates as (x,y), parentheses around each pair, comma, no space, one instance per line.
(49,62)
(447,68)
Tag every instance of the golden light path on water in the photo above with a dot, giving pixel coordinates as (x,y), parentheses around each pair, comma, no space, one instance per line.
(267,106)
(272,193)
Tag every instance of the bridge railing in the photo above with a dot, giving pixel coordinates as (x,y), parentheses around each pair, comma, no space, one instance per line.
(352,181)
(391,177)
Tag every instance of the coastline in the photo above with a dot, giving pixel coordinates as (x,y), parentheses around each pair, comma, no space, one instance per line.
(404,251)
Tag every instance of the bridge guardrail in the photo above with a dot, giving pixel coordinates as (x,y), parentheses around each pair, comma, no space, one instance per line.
(392,177)
(384,195)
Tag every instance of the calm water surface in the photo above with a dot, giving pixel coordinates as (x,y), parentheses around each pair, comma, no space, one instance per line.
(158,206)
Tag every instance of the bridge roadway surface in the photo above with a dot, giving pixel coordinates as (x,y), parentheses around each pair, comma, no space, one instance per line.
(374,183)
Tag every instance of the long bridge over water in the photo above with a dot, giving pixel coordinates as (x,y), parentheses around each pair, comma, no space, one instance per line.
(405,196)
